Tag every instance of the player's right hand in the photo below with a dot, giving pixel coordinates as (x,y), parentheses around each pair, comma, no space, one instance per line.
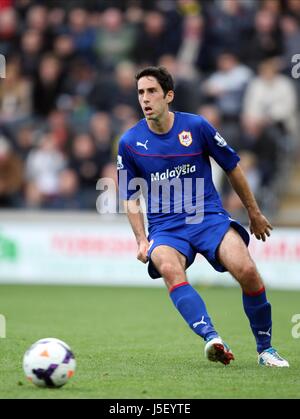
(142,253)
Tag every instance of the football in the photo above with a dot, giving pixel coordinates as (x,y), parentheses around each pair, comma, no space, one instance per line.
(49,362)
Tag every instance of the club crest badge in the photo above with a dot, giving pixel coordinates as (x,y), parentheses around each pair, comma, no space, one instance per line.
(185,138)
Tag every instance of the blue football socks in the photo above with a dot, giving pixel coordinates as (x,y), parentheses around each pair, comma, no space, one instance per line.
(192,308)
(258,311)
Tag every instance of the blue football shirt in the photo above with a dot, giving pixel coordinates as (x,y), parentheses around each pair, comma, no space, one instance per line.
(179,159)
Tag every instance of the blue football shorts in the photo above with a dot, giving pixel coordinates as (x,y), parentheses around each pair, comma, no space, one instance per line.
(190,239)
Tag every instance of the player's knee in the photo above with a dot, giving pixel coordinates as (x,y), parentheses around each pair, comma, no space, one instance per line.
(171,271)
(249,273)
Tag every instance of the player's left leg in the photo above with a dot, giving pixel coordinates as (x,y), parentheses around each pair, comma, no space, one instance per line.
(233,254)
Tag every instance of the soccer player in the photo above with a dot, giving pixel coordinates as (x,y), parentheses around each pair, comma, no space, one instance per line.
(170,147)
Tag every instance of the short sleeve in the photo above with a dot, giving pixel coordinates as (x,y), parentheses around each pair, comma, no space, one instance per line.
(218,148)
(127,171)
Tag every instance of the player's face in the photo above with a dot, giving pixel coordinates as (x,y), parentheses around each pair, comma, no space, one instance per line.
(152,98)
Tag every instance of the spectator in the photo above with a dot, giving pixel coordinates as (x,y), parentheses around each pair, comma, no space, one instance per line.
(114,40)
(83,37)
(31,50)
(227,85)
(11,175)
(265,41)
(291,40)
(8,31)
(78,89)
(85,162)
(188,7)
(229,26)
(15,95)
(124,92)
(187,82)
(68,196)
(58,125)
(101,131)
(43,168)
(5,4)
(37,18)
(154,40)
(100,97)
(193,51)
(47,86)
(24,138)
(272,96)
(263,138)
(64,50)
(272,6)
(56,19)
(293,8)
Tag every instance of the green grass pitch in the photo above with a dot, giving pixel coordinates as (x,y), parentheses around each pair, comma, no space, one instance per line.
(132,343)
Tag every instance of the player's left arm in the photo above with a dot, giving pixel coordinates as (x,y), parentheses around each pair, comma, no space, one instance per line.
(259,225)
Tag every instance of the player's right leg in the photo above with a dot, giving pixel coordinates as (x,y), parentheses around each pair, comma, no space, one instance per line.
(171,265)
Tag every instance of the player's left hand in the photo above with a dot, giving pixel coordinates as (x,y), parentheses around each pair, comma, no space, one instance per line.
(143,247)
(260,226)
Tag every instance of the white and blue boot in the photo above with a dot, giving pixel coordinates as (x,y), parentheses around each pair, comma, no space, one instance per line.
(270,358)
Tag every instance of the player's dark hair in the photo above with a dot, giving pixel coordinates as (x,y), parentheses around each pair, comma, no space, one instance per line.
(161,74)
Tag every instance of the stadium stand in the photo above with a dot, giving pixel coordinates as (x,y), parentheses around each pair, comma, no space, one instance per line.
(69,91)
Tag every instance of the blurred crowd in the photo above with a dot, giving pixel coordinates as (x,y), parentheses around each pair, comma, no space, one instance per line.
(69,91)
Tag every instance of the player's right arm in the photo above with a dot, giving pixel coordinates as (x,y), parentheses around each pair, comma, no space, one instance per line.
(127,171)
(136,219)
